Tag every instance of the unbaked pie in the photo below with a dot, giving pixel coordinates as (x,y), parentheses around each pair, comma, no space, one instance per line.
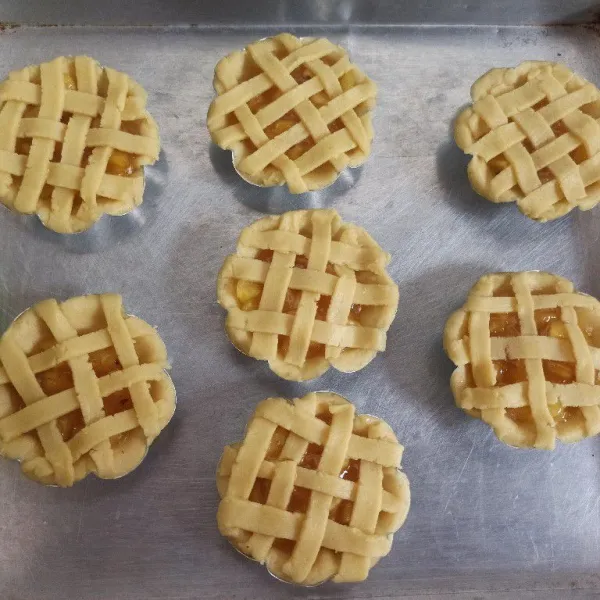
(292,110)
(534,134)
(74,138)
(314,491)
(83,389)
(527,350)
(306,291)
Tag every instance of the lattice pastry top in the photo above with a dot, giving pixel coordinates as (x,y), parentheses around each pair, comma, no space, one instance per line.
(74,138)
(293,111)
(305,292)
(314,491)
(83,389)
(534,133)
(527,348)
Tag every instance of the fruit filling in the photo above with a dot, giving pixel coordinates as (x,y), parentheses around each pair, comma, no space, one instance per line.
(249,293)
(23,147)
(60,378)
(509,372)
(70,83)
(121,163)
(289,119)
(549,324)
(340,511)
(505,325)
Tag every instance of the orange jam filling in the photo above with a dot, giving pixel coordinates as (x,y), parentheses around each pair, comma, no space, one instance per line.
(559,372)
(505,325)
(341,510)
(299,500)
(543,102)
(121,163)
(549,323)
(559,128)
(248,295)
(70,83)
(287,121)
(60,378)
(546,175)
(509,372)
(326,417)
(523,415)
(277,443)
(351,470)
(264,99)
(260,491)
(498,164)
(117,403)
(302,74)
(514,371)
(23,146)
(504,290)
(281,126)
(579,154)
(286,546)
(545,320)
(315,349)
(104,361)
(311,457)
(265,255)
(54,381)
(69,425)
(320,99)
(342,513)
(355,310)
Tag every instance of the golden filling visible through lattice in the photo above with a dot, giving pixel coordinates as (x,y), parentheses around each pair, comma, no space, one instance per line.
(289,119)
(513,371)
(60,378)
(248,294)
(341,510)
(527,348)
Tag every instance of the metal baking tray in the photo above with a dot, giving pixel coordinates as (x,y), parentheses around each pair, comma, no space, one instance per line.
(487,521)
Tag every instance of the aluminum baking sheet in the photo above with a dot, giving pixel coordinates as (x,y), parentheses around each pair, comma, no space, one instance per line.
(487,521)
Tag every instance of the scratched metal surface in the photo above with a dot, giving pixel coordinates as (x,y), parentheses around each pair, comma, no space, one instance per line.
(486,520)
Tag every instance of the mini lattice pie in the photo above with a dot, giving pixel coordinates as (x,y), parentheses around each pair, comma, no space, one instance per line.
(83,389)
(293,111)
(306,292)
(527,348)
(314,491)
(74,138)
(534,134)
